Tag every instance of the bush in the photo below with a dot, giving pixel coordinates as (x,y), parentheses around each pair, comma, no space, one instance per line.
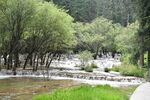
(130,70)
(106,69)
(85,56)
(93,65)
(116,69)
(86,93)
(82,67)
(88,69)
(145,60)
(126,59)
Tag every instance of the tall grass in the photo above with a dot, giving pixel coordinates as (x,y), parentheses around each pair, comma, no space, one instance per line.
(86,93)
(130,70)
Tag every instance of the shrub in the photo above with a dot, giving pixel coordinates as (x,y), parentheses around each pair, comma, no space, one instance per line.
(85,56)
(130,70)
(93,65)
(106,69)
(145,60)
(82,67)
(116,69)
(88,69)
(127,59)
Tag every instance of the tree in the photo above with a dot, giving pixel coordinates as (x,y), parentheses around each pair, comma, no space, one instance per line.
(49,34)
(119,11)
(80,10)
(85,57)
(35,28)
(127,43)
(144,33)
(17,15)
(99,35)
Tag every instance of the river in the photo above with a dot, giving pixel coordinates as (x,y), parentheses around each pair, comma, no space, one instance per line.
(24,88)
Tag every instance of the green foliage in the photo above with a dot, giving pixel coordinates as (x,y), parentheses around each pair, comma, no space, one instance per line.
(82,67)
(56,27)
(119,11)
(127,43)
(81,10)
(85,56)
(127,39)
(88,69)
(126,58)
(93,65)
(130,70)
(34,27)
(146,60)
(116,69)
(144,31)
(106,69)
(98,34)
(86,93)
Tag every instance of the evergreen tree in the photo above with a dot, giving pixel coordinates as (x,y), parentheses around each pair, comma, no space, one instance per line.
(144,33)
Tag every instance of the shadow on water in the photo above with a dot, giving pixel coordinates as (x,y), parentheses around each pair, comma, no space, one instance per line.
(24,88)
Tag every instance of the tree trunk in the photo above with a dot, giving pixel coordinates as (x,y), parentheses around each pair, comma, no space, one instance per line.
(16,62)
(25,63)
(37,64)
(43,60)
(141,52)
(97,50)
(31,59)
(113,54)
(9,65)
(34,62)
(47,67)
(0,62)
(149,63)
(51,60)
(48,59)
(5,58)
(141,59)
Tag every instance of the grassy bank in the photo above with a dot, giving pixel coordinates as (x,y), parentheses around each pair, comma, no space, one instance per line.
(86,93)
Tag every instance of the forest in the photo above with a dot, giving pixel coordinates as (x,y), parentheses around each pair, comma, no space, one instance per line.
(34,33)
(37,28)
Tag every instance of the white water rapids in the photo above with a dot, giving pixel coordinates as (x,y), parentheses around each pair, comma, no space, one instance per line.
(67,70)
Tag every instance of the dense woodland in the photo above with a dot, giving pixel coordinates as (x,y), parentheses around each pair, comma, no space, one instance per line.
(44,30)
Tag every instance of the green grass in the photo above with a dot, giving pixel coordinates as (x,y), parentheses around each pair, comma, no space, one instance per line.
(86,93)
(130,70)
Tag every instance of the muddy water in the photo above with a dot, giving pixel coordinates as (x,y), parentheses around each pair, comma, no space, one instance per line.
(26,88)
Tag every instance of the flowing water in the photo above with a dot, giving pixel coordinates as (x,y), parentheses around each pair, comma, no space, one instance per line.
(22,87)
(25,88)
